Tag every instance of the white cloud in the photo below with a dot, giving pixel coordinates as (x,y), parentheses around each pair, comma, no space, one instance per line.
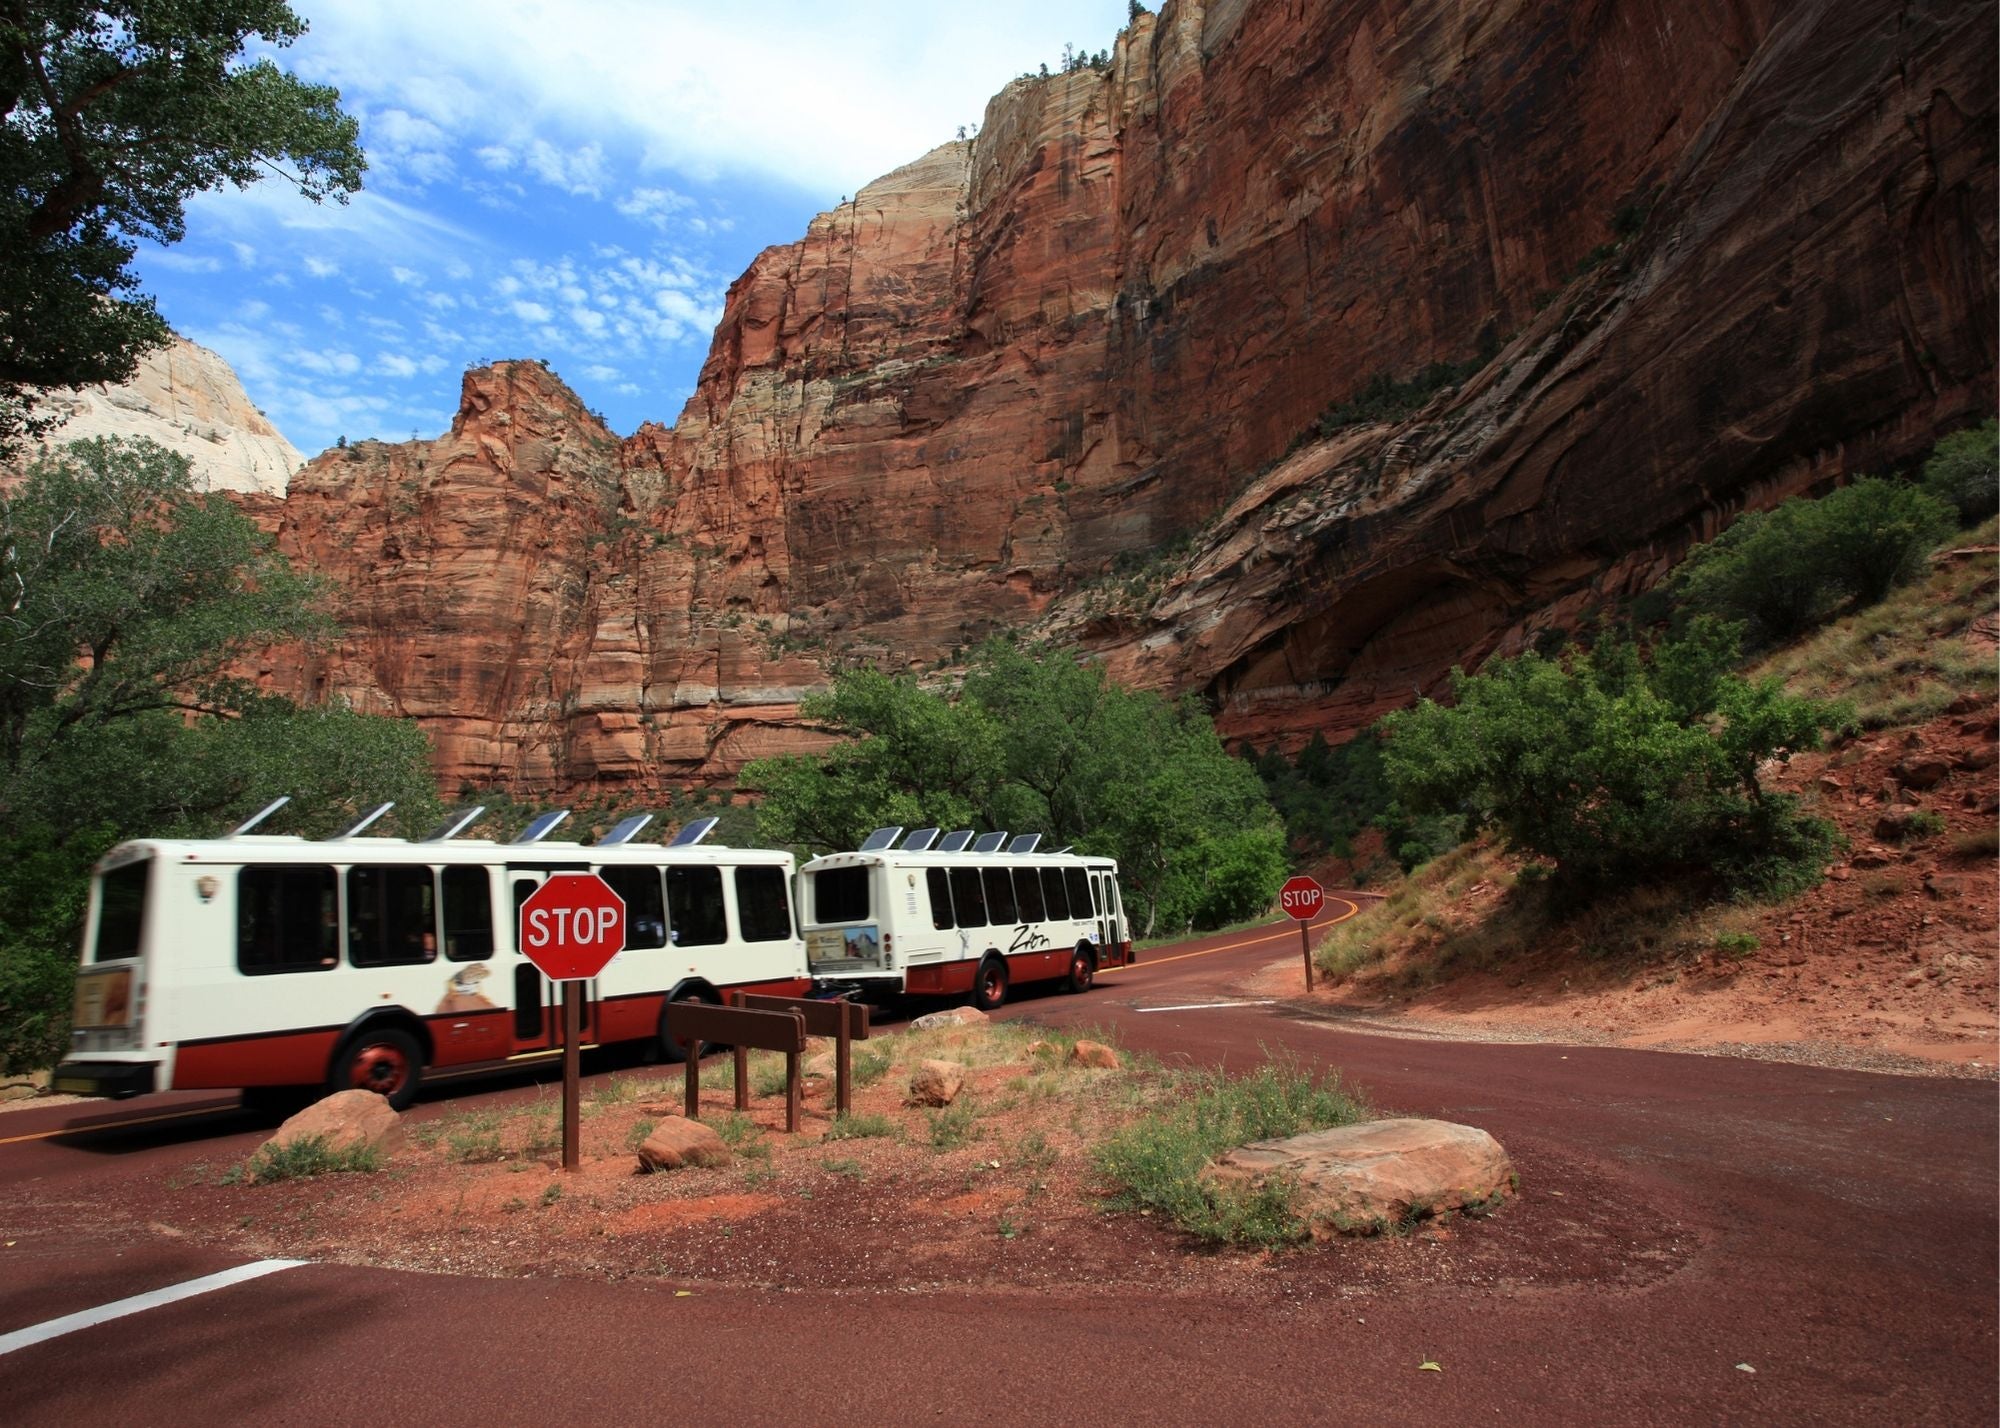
(653,205)
(532,312)
(408,277)
(497,156)
(394,365)
(321,267)
(187,262)
(331,363)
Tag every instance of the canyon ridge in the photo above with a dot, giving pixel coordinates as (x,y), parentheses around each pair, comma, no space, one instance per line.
(1302,353)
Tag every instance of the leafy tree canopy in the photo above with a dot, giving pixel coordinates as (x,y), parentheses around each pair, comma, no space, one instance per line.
(1039,742)
(114,114)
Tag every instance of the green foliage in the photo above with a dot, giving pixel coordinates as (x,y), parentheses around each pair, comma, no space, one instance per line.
(305,1157)
(1964,472)
(108,551)
(1155,1162)
(1382,398)
(862,1127)
(1781,572)
(953,1126)
(1623,769)
(1040,742)
(1335,791)
(117,112)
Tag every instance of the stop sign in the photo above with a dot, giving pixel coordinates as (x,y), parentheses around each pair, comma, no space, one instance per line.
(1301,897)
(572,925)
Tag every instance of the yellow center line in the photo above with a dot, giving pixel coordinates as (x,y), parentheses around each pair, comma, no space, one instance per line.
(1352,909)
(114,1125)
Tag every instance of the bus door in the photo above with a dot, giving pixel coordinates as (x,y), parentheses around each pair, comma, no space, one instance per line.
(537,1000)
(1110,945)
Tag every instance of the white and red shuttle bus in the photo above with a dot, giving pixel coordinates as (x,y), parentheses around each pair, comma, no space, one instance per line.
(253,961)
(951,916)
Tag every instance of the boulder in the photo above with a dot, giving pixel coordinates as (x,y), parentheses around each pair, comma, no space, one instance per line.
(1893,827)
(677,1142)
(1095,1054)
(822,1064)
(950,1016)
(936,1083)
(346,1119)
(1923,770)
(1364,1179)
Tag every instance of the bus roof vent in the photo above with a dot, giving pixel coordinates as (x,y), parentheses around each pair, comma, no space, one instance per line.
(1025,843)
(455,824)
(542,825)
(367,819)
(693,833)
(920,841)
(1064,849)
(626,831)
(989,842)
(881,838)
(260,815)
(955,840)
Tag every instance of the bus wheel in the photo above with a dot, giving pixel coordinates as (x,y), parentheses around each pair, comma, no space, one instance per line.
(385,1060)
(1082,970)
(989,987)
(671,1051)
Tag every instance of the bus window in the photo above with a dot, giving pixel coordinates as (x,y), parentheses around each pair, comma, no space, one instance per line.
(968,898)
(1079,893)
(940,887)
(1053,891)
(999,897)
(1028,893)
(468,914)
(694,907)
(645,909)
(391,916)
(840,895)
(761,905)
(121,912)
(286,920)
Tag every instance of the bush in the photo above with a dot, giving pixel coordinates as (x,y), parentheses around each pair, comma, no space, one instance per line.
(1781,572)
(306,1157)
(1964,473)
(1622,769)
(1156,1161)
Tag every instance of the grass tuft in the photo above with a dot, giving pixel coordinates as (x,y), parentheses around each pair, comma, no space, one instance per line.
(304,1158)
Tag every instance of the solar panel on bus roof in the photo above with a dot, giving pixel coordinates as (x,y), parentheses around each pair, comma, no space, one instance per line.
(260,815)
(367,819)
(989,842)
(1025,843)
(693,833)
(881,838)
(955,840)
(455,823)
(626,830)
(542,825)
(920,841)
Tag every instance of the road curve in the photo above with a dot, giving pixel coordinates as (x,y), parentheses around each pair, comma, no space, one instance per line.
(1697,1240)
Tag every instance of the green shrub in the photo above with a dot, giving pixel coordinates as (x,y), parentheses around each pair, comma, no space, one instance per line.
(308,1156)
(1784,571)
(860,1127)
(1964,472)
(1155,1162)
(1623,769)
(953,1126)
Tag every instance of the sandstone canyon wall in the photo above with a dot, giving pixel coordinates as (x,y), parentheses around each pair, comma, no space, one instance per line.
(1094,335)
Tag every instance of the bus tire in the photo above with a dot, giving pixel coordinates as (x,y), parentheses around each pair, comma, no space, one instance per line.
(671,1051)
(1082,970)
(989,984)
(384,1059)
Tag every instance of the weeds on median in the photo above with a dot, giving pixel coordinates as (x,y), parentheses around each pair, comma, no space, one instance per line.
(301,1159)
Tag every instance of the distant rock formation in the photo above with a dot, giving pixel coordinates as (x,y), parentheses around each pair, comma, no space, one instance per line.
(1671,258)
(188,400)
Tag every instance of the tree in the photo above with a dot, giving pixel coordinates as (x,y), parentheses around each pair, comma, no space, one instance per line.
(1964,472)
(1040,742)
(126,597)
(115,113)
(1622,769)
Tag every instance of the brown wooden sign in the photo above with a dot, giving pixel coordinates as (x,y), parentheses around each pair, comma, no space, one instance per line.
(692,1023)
(846,1022)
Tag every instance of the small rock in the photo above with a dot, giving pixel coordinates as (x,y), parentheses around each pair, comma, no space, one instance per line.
(347,1120)
(1095,1054)
(1982,757)
(823,1064)
(936,1083)
(677,1142)
(1893,826)
(1039,1048)
(951,1016)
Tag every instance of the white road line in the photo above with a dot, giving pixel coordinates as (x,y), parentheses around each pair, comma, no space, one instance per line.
(1211,1006)
(70,1323)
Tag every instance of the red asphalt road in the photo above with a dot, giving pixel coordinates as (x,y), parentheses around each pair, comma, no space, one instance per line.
(1679,1216)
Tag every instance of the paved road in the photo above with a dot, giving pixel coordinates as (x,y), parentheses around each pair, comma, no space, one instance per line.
(1681,1216)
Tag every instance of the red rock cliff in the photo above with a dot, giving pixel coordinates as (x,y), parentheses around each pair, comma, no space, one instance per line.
(1090,332)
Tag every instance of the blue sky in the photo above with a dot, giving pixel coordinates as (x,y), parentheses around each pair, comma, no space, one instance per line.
(575,181)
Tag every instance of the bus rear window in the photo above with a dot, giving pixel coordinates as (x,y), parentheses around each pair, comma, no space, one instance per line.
(694,907)
(840,895)
(761,905)
(286,920)
(121,912)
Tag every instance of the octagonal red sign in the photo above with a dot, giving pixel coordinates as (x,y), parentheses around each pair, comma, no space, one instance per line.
(1301,897)
(572,925)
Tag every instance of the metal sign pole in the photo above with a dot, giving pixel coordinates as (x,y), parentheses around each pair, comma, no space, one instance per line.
(1305,948)
(572,1039)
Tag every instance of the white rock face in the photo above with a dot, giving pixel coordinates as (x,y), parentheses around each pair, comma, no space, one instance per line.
(188,400)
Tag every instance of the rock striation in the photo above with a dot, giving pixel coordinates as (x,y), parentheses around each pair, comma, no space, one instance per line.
(188,400)
(1678,257)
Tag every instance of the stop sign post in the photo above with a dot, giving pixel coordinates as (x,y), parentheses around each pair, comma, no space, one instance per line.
(1301,897)
(571,926)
